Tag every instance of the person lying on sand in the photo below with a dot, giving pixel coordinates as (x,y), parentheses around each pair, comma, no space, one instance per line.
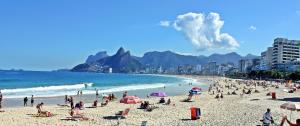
(76,114)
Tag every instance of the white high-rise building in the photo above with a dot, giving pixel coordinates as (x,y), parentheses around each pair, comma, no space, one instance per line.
(284,51)
(266,59)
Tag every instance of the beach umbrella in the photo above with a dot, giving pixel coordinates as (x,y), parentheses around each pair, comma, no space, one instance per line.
(130,100)
(196,88)
(290,106)
(158,94)
(194,92)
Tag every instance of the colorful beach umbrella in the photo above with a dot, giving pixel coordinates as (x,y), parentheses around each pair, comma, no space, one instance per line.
(196,88)
(158,94)
(290,106)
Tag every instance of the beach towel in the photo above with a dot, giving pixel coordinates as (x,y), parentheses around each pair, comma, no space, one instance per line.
(42,115)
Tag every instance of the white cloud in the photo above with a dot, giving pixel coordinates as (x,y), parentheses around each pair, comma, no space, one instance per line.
(253,28)
(165,23)
(298,12)
(204,31)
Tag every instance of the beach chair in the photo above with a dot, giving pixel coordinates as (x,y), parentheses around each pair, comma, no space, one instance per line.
(144,123)
(122,114)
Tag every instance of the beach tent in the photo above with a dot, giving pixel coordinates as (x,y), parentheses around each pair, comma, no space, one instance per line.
(131,100)
(158,94)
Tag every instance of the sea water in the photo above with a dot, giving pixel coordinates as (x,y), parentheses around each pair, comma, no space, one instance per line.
(20,84)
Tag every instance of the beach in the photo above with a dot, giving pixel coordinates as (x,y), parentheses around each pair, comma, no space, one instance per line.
(232,110)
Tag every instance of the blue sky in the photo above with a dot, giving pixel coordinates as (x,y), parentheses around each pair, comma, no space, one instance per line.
(53,34)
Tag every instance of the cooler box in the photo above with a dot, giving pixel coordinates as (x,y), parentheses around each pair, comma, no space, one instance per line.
(273,95)
(193,113)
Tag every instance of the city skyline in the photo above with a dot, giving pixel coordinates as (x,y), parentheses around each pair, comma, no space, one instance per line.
(40,35)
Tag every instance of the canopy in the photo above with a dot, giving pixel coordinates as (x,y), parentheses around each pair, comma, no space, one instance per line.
(196,88)
(290,106)
(131,100)
(158,94)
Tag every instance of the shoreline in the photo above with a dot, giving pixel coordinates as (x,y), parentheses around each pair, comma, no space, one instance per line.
(18,102)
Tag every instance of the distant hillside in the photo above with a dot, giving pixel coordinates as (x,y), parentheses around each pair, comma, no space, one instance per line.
(169,59)
(98,56)
(121,62)
(225,58)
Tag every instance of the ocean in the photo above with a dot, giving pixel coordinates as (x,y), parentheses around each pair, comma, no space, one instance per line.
(20,84)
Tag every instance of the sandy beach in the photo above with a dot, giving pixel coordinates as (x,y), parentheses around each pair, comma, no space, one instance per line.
(232,110)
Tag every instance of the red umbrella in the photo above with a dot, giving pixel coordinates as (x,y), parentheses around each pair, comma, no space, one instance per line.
(130,100)
(196,88)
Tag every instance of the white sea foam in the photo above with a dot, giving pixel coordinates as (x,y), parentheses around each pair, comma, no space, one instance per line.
(48,88)
(54,91)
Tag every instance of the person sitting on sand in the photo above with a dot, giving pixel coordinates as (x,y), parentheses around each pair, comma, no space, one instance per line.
(217,96)
(105,103)
(113,97)
(95,104)
(162,100)
(233,93)
(168,102)
(40,112)
(221,95)
(79,105)
(76,114)
(267,118)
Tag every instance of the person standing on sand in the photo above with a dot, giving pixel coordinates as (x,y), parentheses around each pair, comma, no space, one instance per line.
(267,118)
(97,93)
(25,101)
(80,92)
(32,100)
(71,102)
(1,97)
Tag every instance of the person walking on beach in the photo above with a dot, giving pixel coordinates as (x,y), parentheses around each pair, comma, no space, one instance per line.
(71,102)
(25,101)
(66,99)
(32,100)
(97,93)
(1,97)
(267,118)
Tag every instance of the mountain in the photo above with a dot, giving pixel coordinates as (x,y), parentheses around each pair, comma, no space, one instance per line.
(232,57)
(121,62)
(98,56)
(250,56)
(124,62)
(169,59)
